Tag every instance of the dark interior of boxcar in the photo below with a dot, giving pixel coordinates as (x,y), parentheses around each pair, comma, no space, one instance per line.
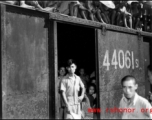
(78,43)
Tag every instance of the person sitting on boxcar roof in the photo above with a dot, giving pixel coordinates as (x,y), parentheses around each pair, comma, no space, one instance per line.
(50,6)
(84,10)
(68,7)
(106,8)
(126,15)
(136,14)
(97,5)
(91,10)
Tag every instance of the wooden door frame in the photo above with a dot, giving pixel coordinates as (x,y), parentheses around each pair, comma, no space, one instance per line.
(2,38)
(52,46)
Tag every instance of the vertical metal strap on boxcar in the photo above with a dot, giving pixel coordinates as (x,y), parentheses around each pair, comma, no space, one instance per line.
(139,35)
(103,30)
(2,37)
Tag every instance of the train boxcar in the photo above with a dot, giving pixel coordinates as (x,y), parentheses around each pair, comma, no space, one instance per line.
(33,45)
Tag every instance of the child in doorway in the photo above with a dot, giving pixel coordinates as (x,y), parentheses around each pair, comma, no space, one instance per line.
(61,105)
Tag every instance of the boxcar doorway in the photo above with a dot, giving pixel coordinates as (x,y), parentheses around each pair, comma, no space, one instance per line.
(78,43)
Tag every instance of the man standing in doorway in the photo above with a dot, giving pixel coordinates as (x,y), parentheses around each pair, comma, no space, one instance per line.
(70,87)
(131,99)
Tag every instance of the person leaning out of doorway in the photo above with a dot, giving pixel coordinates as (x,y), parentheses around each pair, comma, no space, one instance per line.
(70,86)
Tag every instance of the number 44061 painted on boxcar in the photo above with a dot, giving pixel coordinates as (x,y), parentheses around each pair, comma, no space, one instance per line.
(121,59)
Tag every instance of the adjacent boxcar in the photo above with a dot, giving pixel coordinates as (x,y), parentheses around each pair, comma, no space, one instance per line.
(29,61)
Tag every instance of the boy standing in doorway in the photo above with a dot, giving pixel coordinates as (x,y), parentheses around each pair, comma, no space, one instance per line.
(142,108)
(70,86)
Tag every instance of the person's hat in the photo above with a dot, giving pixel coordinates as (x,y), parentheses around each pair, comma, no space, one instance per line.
(129,2)
(76,116)
(109,4)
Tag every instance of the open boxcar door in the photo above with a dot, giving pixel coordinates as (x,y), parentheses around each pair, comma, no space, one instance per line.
(28,63)
(119,54)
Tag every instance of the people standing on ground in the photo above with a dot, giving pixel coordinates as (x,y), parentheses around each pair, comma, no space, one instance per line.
(131,99)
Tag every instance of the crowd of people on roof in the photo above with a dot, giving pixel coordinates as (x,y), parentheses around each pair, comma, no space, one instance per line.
(130,14)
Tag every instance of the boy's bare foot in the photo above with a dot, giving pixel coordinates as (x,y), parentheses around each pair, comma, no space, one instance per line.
(26,6)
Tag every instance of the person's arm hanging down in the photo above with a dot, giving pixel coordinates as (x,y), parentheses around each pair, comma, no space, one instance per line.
(65,100)
(80,98)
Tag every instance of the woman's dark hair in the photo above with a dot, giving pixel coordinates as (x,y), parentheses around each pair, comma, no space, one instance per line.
(91,85)
(70,62)
(149,68)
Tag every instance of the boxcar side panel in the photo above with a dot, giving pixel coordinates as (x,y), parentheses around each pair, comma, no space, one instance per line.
(25,67)
(119,54)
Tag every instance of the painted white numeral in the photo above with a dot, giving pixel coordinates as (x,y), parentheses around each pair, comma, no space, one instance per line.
(114,59)
(123,61)
(106,60)
(137,63)
(133,66)
(127,59)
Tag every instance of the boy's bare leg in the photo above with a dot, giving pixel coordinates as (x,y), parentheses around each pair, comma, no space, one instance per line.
(134,22)
(75,13)
(125,20)
(71,7)
(91,16)
(113,17)
(104,17)
(130,21)
(118,18)
(99,16)
(82,13)
(137,23)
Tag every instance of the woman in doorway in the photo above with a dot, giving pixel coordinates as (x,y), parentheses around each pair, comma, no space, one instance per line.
(92,97)
(91,94)
(61,105)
